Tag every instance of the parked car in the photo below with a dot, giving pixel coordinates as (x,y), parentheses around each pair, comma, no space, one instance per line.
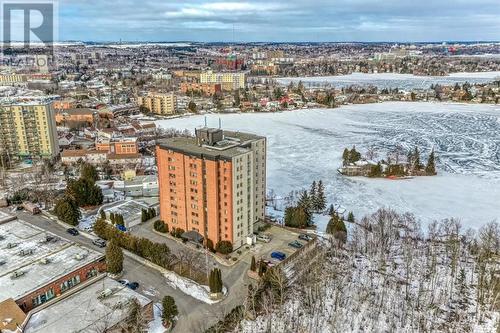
(73,231)
(305,237)
(123,281)
(278,255)
(99,242)
(295,244)
(133,285)
(264,238)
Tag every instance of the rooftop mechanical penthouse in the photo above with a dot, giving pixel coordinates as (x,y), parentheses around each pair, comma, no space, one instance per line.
(213,184)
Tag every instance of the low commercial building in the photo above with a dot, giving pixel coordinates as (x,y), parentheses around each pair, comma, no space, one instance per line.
(102,306)
(207,89)
(81,115)
(13,79)
(94,157)
(118,146)
(38,266)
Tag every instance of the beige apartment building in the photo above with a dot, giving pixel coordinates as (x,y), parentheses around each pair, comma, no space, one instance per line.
(28,130)
(13,79)
(159,103)
(213,184)
(228,80)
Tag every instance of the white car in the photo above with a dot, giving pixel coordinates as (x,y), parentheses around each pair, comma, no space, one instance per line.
(264,238)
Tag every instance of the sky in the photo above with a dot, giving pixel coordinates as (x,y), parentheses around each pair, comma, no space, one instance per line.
(279,21)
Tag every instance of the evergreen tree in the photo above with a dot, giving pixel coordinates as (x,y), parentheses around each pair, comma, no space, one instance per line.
(114,257)
(253,266)
(416,159)
(312,191)
(112,217)
(320,199)
(103,214)
(170,310)
(350,217)
(67,210)
(304,201)
(331,210)
(430,168)
(144,217)
(215,281)
(345,157)
(88,171)
(337,228)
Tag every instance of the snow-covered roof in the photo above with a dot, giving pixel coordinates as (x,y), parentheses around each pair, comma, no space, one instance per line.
(39,256)
(86,310)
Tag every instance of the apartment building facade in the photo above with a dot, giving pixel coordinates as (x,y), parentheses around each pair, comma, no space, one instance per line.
(228,80)
(159,103)
(28,130)
(213,184)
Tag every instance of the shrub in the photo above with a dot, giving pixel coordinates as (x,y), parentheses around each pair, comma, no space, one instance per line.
(210,245)
(160,226)
(169,309)
(177,232)
(224,247)
(215,281)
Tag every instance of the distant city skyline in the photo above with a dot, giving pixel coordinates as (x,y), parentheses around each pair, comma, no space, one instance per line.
(279,21)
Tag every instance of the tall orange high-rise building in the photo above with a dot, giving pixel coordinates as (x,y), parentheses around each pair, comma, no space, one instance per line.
(213,184)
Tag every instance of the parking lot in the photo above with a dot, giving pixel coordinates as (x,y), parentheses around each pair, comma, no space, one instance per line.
(281,237)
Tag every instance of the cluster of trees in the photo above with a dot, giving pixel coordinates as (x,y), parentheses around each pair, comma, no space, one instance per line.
(215,281)
(160,226)
(147,214)
(116,218)
(416,166)
(309,202)
(79,193)
(350,156)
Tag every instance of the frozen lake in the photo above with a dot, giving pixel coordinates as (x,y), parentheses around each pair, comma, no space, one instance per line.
(391,80)
(307,145)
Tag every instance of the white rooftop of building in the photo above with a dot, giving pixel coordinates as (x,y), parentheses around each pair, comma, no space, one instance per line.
(85,310)
(37,256)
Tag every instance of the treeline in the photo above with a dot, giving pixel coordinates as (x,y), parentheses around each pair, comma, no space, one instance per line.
(309,202)
(394,164)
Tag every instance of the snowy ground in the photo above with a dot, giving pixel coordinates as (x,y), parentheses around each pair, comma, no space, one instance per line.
(307,145)
(191,288)
(391,80)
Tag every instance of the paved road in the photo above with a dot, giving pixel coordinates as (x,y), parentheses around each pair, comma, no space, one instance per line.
(194,315)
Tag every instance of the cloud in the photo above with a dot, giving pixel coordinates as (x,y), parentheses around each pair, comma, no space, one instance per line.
(292,20)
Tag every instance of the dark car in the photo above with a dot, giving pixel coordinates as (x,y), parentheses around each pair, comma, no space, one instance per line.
(99,242)
(305,237)
(295,244)
(73,231)
(133,285)
(278,255)
(124,282)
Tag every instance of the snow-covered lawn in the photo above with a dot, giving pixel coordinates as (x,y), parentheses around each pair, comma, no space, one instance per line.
(191,288)
(392,80)
(307,145)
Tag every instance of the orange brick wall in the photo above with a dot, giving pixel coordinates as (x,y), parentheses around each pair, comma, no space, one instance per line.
(26,302)
(181,205)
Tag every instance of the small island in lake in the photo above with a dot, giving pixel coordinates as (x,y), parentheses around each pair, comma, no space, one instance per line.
(397,165)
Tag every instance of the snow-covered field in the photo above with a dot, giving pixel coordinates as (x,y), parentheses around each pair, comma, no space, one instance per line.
(307,145)
(391,80)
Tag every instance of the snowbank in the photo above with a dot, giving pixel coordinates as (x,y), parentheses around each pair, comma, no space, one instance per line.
(191,288)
